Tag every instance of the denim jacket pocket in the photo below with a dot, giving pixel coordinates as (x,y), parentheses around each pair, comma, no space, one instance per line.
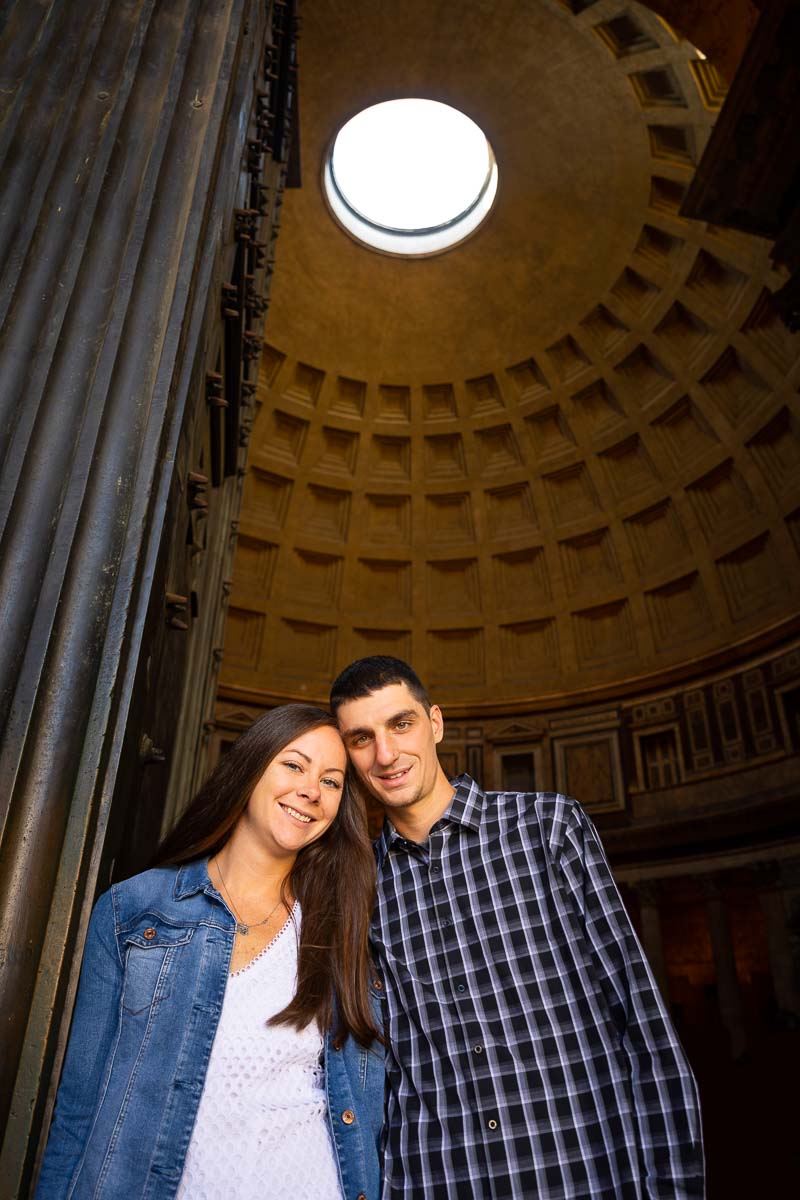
(149,954)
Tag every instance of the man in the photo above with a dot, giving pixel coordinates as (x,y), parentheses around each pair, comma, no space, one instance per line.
(530,1054)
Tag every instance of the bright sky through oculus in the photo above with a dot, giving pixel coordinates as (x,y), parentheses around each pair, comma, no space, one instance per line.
(410,164)
(410,176)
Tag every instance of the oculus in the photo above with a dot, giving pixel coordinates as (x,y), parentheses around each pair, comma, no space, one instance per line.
(410,177)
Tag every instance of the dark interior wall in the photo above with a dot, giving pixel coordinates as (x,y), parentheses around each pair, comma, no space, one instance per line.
(142,156)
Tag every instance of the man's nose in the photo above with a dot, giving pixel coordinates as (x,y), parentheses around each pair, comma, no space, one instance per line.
(385,749)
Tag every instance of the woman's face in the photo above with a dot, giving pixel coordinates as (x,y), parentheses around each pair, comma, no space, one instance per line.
(298,796)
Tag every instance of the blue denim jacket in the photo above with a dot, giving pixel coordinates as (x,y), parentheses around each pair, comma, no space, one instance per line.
(146,1014)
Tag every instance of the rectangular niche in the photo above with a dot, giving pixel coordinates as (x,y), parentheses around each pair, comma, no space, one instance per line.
(589,561)
(254,565)
(349,398)
(606,329)
(528,379)
(338,452)
(751,578)
(439,402)
(644,376)
(734,386)
(456,657)
(623,35)
(444,457)
(604,634)
(628,468)
(673,144)
(271,362)
(394,403)
(305,385)
(498,449)
(767,331)
(589,765)
(453,585)
(715,281)
(721,500)
(284,437)
(571,494)
(394,642)
(550,433)
(657,88)
(244,633)
(679,611)
(449,518)
(568,358)
(776,449)
(521,579)
(667,196)
(635,292)
(484,396)
(658,248)
(388,519)
(314,578)
(684,432)
(686,335)
(383,586)
(710,84)
(327,513)
(529,649)
(390,459)
(510,511)
(305,649)
(656,537)
(598,408)
(266,498)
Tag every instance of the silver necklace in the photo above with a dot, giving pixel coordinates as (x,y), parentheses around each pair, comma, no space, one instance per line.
(241,927)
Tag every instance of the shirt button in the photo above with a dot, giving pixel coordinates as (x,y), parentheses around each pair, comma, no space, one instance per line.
(348,1116)
(446,921)
(460,987)
(492,1124)
(149,934)
(435,868)
(478,1049)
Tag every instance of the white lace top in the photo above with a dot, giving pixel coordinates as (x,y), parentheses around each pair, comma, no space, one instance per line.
(261,1128)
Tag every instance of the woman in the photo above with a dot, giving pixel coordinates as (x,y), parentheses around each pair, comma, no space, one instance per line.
(213,986)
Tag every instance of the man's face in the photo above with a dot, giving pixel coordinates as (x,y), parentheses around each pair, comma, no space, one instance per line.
(391,741)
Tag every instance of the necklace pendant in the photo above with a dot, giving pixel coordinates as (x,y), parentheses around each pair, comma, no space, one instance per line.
(242,929)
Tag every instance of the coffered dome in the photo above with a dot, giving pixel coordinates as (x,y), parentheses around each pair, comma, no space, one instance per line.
(558,459)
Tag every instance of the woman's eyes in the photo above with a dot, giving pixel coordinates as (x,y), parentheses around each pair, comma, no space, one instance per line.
(329,782)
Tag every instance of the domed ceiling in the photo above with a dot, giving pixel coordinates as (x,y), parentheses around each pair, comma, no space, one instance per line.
(559,458)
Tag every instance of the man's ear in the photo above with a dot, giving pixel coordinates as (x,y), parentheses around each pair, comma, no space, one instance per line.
(437,721)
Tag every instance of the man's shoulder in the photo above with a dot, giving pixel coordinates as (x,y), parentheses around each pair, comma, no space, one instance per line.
(553,813)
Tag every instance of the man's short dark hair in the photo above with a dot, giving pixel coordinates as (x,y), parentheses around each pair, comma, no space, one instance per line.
(368,675)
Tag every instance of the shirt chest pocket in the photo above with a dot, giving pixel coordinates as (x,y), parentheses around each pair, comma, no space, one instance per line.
(150,954)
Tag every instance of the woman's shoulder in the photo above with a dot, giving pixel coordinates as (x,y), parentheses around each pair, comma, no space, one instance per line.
(157,889)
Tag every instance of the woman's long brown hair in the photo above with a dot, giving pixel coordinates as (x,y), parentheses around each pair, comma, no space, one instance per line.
(333,877)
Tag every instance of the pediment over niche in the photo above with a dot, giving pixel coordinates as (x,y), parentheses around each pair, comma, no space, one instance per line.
(517,732)
(237,718)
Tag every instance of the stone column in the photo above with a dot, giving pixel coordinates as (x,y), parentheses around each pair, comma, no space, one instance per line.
(728,990)
(652,940)
(775,883)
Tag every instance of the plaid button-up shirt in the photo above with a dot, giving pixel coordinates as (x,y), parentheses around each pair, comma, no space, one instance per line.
(530,1052)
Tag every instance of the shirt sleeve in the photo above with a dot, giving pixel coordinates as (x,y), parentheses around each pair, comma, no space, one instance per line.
(664,1090)
(95,1024)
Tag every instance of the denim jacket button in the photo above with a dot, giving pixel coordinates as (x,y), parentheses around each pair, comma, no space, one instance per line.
(337,1045)
(149,933)
(378,985)
(361,1196)
(348,1116)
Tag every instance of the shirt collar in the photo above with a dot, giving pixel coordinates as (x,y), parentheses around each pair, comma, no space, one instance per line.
(192,877)
(466,808)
